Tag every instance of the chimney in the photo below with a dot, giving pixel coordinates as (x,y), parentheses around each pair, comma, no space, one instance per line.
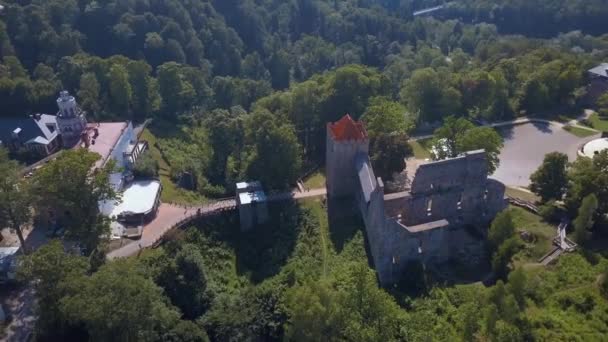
(17,133)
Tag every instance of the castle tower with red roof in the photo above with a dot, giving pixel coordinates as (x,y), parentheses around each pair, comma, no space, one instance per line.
(346,139)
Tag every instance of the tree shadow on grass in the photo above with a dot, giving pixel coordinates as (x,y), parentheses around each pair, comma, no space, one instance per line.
(344,222)
(163,129)
(265,249)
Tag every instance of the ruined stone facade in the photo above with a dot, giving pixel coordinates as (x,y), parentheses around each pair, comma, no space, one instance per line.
(427,222)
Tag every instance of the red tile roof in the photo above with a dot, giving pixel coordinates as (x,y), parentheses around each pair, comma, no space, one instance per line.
(347,129)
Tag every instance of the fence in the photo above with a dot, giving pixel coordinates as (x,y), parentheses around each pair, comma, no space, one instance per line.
(524,204)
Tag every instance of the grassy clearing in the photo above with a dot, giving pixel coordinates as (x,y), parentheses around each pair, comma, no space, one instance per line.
(601,124)
(171,192)
(522,195)
(579,131)
(543,232)
(316,180)
(421,148)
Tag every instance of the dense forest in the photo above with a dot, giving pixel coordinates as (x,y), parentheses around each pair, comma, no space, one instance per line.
(211,65)
(243,89)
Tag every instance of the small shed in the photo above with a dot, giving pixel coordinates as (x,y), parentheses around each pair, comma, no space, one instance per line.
(252,203)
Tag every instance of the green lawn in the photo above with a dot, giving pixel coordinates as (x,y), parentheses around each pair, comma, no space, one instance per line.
(521,194)
(316,180)
(601,124)
(421,148)
(544,233)
(579,132)
(171,192)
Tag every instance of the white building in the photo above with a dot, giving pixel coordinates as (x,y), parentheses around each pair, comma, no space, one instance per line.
(252,204)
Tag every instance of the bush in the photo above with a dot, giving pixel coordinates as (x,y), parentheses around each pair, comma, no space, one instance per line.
(549,212)
(146,166)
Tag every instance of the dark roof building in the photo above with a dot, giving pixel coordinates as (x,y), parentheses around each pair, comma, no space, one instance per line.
(37,133)
(598,84)
(599,71)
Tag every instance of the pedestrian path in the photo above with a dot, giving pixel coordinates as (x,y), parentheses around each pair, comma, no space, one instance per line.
(171,216)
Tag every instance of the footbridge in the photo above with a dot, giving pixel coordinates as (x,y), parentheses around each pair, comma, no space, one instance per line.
(173,216)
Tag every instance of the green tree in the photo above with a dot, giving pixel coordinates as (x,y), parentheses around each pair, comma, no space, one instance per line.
(458,135)
(371,313)
(185,282)
(88,95)
(502,257)
(276,158)
(145,97)
(146,166)
(602,105)
(186,331)
(550,180)
(176,92)
(48,269)
(117,302)
(15,209)
(449,135)
(349,88)
(501,230)
(585,219)
(483,138)
(384,116)
(505,332)
(517,286)
(428,94)
(120,89)
(315,313)
(67,187)
(604,284)
(588,176)
(388,153)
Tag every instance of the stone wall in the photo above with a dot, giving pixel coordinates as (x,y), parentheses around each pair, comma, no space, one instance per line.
(426,223)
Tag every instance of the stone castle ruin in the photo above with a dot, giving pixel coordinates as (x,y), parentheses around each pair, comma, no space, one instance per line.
(428,221)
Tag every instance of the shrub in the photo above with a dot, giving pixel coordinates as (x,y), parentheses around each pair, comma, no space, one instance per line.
(549,211)
(146,166)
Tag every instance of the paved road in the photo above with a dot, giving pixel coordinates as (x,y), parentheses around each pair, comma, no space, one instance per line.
(524,120)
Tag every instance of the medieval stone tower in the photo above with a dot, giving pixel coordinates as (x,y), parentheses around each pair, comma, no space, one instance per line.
(345,140)
(71,121)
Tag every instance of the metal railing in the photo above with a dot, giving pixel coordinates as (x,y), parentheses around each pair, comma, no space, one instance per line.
(524,204)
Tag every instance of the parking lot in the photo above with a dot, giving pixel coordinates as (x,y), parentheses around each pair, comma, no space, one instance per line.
(525,148)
